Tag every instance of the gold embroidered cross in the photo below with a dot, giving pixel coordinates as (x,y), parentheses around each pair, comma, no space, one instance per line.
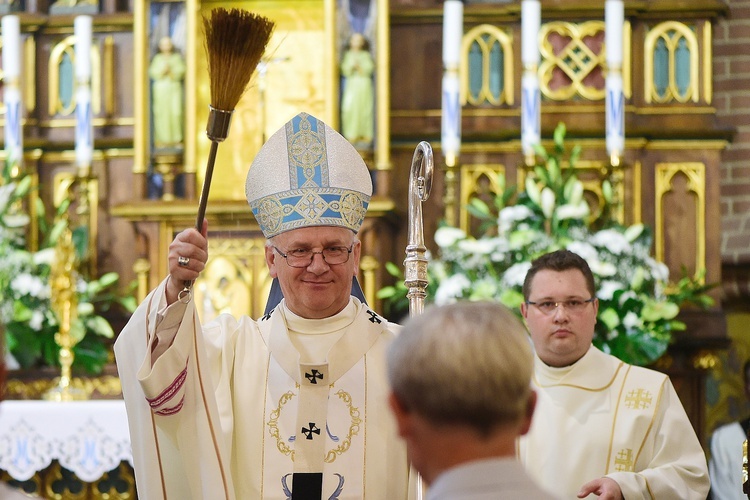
(624,460)
(638,399)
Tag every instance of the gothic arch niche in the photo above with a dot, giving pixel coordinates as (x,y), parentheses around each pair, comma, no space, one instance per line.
(680,192)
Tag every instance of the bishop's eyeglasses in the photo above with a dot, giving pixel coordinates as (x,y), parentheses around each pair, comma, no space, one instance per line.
(303,257)
(570,305)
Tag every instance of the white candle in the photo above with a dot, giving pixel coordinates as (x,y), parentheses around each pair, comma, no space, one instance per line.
(82,32)
(84,127)
(450,140)
(13,130)
(615,104)
(530,113)
(531,19)
(453,31)
(614,18)
(11,47)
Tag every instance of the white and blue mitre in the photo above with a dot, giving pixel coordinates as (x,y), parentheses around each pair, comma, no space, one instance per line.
(307,174)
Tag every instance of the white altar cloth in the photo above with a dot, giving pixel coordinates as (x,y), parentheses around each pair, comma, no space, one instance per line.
(88,438)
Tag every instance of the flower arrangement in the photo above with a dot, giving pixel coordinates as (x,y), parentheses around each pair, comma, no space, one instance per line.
(25,301)
(638,307)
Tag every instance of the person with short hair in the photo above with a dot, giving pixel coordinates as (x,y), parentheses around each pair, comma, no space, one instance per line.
(725,465)
(293,405)
(603,427)
(460,390)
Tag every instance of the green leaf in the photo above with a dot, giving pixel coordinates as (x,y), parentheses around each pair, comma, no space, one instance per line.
(80,237)
(100,326)
(541,152)
(543,175)
(23,187)
(386,292)
(559,136)
(394,270)
(575,153)
(129,303)
(56,231)
(479,209)
(108,279)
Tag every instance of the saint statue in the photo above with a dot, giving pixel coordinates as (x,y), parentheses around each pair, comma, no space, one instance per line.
(358,98)
(167,71)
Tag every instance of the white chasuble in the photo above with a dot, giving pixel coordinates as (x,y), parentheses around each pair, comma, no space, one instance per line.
(315,412)
(230,406)
(603,417)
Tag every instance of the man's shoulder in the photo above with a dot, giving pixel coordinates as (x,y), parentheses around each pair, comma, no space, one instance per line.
(648,372)
(635,369)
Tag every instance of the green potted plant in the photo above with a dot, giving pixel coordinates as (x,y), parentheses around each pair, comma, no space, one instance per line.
(25,305)
(638,305)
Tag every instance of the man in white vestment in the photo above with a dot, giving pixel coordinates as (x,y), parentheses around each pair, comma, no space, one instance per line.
(293,405)
(602,427)
(725,465)
(460,389)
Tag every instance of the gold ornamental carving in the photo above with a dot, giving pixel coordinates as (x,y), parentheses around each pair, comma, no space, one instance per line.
(572,60)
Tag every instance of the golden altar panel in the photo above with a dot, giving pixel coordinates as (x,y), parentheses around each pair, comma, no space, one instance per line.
(293,80)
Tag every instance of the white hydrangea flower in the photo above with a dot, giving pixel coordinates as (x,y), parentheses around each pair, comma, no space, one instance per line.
(627,295)
(447,236)
(607,289)
(632,320)
(26,284)
(602,269)
(515,274)
(5,192)
(659,270)
(612,240)
(586,251)
(37,320)
(451,288)
(509,215)
(477,247)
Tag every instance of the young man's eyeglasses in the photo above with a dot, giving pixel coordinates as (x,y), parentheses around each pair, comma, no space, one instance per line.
(570,305)
(303,257)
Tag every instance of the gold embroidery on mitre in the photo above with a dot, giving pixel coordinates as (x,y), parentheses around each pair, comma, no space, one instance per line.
(310,206)
(343,447)
(352,209)
(270,214)
(638,399)
(624,460)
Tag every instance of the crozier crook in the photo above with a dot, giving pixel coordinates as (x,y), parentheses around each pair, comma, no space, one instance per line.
(415,264)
